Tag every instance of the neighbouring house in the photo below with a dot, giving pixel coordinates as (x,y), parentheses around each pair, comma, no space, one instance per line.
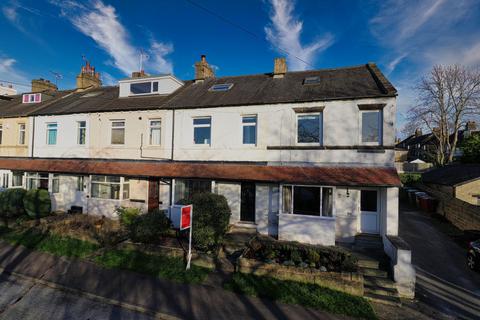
(461,181)
(424,146)
(7,90)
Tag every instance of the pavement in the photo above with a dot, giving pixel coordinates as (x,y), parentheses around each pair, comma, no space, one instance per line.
(128,291)
(444,281)
(21,298)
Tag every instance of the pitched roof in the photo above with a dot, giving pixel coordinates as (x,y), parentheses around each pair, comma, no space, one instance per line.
(335,84)
(452,175)
(12,106)
(330,176)
(341,83)
(104,99)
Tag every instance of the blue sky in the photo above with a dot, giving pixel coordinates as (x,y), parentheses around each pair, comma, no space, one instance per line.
(405,38)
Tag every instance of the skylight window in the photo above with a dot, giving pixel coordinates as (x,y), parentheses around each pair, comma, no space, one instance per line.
(311,80)
(221,87)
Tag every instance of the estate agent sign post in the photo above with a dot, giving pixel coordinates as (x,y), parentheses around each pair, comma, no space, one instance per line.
(181,217)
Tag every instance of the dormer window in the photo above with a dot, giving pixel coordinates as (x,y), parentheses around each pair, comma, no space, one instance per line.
(311,80)
(221,87)
(32,98)
(143,87)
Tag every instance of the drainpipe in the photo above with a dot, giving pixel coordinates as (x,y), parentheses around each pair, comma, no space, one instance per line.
(172,156)
(33,135)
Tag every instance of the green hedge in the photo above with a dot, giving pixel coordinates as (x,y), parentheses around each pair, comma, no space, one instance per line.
(408,179)
(149,227)
(11,204)
(297,254)
(37,203)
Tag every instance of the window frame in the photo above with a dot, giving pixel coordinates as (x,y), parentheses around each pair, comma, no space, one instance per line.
(36,176)
(79,129)
(22,134)
(250,124)
(124,127)
(380,127)
(141,94)
(51,129)
(55,183)
(320,187)
(320,119)
(16,174)
(123,181)
(202,126)
(150,128)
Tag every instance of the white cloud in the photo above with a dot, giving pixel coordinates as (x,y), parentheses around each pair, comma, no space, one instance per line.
(9,73)
(284,33)
(108,79)
(101,23)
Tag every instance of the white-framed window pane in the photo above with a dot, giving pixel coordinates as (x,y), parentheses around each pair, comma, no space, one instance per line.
(126,191)
(187,188)
(141,88)
(201,130)
(82,132)
(155,132)
(17,179)
(80,183)
(371,126)
(118,132)
(249,124)
(56,183)
(105,187)
(309,128)
(327,202)
(21,133)
(306,200)
(287,199)
(51,133)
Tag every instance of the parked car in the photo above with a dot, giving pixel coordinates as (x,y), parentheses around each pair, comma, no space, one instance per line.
(473,255)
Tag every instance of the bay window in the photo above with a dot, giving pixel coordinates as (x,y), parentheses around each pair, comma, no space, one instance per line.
(307,200)
(17,179)
(37,180)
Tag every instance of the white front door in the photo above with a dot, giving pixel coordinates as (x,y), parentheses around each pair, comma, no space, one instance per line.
(369,211)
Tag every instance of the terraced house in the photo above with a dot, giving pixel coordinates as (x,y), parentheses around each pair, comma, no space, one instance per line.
(305,156)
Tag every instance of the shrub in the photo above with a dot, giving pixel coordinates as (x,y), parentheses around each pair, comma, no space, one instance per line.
(11,204)
(37,203)
(410,178)
(211,216)
(332,258)
(127,215)
(149,227)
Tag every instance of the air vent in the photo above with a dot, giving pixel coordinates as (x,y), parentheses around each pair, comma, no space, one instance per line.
(311,80)
(221,87)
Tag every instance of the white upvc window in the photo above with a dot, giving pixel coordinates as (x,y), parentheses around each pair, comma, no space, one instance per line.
(118,132)
(109,187)
(371,130)
(202,130)
(155,130)
(310,128)
(55,183)
(37,180)
(81,132)
(308,200)
(21,133)
(17,179)
(52,133)
(249,129)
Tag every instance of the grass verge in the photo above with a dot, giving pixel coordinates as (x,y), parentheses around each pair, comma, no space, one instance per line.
(54,244)
(170,268)
(308,295)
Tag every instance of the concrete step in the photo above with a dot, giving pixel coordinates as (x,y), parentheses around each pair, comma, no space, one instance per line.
(369,263)
(394,301)
(373,272)
(361,245)
(378,282)
(382,291)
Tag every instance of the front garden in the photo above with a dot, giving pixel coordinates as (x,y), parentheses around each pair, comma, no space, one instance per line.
(146,243)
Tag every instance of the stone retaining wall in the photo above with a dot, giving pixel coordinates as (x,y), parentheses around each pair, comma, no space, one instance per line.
(348,282)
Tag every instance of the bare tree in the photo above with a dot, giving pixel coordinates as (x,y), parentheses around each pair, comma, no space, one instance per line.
(447,97)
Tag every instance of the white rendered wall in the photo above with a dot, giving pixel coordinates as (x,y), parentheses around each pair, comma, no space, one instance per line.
(307,229)
(347,214)
(276,126)
(231,191)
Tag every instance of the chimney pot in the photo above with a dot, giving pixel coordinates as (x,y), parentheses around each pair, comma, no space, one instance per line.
(88,79)
(279,67)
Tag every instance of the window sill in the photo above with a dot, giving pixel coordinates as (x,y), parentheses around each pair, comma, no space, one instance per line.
(308,216)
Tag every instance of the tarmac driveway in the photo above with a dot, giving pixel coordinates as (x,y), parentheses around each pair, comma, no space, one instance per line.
(443,279)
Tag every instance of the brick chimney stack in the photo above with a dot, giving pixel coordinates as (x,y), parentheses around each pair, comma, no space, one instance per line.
(88,78)
(203,70)
(471,126)
(418,132)
(139,74)
(40,85)
(279,67)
